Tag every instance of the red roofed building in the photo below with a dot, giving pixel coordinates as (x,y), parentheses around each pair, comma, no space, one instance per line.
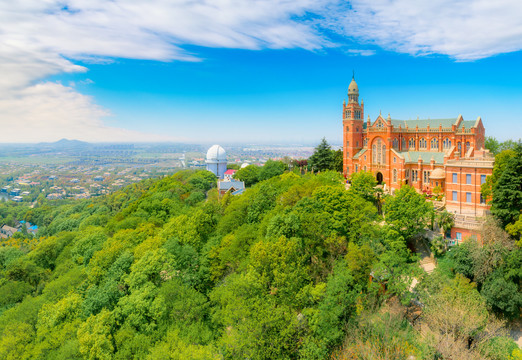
(425,153)
(229,174)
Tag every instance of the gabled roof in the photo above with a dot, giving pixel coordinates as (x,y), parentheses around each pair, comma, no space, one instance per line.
(468,124)
(423,123)
(9,228)
(227,185)
(362,151)
(238,192)
(413,156)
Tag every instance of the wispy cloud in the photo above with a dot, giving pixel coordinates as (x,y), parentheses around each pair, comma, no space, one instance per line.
(42,38)
(462,29)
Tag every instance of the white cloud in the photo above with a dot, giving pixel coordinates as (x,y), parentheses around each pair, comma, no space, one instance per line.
(50,111)
(40,38)
(465,30)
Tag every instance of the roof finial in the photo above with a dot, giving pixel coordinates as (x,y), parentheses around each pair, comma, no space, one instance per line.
(353,74)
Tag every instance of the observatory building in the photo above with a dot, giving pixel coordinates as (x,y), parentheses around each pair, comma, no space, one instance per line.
(217,160)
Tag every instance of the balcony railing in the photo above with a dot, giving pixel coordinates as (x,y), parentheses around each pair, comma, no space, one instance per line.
(468,222)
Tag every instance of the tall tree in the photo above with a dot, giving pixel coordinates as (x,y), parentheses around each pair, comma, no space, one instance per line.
(507,192)
(501,160)
(492,145)
(408,212)
(322,158)
(364,184)
(272,168)
(248,174)
(337,163)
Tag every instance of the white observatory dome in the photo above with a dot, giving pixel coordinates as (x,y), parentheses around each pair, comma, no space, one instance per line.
(217,160)
(216,154)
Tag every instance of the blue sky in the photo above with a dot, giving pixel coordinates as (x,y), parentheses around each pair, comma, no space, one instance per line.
(272,72)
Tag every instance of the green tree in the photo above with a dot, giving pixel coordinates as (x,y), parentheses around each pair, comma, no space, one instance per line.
(501,160)
(454,314)
(202,180)
(337,162)
(272,168)
(407,211)
(333,313)
(507,192)
(501,295)
(95,337)
(233,166)
(445,220)
(323,158)
(364,184)
(492,144)
(249,174)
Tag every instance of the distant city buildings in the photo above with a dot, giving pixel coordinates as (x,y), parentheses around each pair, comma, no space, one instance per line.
(445,156)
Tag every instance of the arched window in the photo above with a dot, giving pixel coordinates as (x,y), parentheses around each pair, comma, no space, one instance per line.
(411,144)
(348,114)
(422,143)
(395,144)
(467,146)
(434,143)
(403,144)
(446,144)
(379,152)
(458,146)
(365,142)
(394,175)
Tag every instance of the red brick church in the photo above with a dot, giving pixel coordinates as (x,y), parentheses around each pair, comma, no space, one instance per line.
(428,154)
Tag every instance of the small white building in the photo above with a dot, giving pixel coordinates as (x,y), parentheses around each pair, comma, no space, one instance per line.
(217,160)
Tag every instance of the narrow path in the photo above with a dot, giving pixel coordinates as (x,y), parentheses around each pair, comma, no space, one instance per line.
(427,262)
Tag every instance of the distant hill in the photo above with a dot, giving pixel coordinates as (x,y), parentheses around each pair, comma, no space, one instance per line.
(65,144)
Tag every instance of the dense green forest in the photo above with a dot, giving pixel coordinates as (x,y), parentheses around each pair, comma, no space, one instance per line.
(297,267)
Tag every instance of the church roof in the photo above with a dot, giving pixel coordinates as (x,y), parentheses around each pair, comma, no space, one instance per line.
(433,123)
(423,123)
(468,124)
(413,156)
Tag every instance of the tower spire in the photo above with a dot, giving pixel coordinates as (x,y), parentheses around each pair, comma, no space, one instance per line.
(353,74)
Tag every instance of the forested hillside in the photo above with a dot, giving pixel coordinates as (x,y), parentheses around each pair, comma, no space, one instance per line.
(297,267)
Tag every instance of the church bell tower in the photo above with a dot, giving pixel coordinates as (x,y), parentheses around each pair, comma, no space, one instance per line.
(353,115)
